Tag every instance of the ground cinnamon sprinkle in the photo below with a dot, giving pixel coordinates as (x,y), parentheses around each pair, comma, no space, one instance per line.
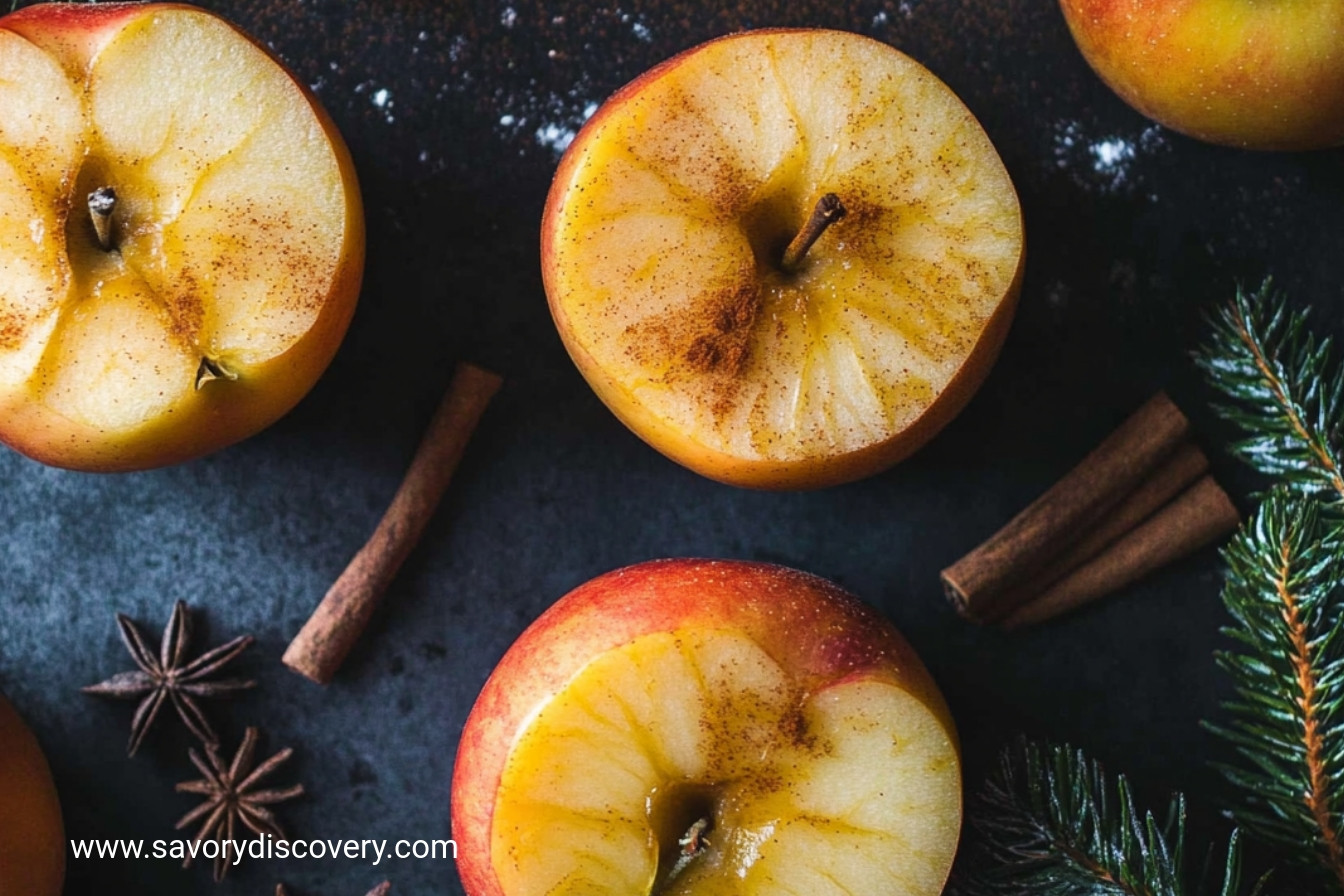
(724,343)
(709,340)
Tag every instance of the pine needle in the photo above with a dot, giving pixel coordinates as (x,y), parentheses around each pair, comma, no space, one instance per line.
(1281,389)
(1055,825)
(1282,588)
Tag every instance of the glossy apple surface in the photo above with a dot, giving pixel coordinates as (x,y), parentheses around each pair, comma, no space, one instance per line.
(663,242)
(1237,72)
(753,724)
(236,243)
(32,841)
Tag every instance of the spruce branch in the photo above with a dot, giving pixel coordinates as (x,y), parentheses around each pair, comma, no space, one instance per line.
(1054,824)
(1280,388)
(1283,573)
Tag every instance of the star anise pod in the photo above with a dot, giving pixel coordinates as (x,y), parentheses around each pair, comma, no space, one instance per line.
(381,890)
(169,677)
(232,797)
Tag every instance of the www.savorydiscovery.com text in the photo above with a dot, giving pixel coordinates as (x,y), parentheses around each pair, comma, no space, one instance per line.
(266,847)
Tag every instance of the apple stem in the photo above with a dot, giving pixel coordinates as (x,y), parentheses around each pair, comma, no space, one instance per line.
(101,203)
(211,369)
(828,210)
(694,842)
(691,845)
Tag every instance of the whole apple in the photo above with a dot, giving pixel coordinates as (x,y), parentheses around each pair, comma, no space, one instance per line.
(1236,72)
(784,258)
(181,235)
(699,726)
(32,839)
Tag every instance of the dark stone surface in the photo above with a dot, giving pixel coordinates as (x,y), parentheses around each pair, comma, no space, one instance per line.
(455,115)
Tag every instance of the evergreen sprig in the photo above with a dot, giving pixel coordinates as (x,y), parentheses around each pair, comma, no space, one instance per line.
(1284,578)
(1282,589)
(1281,389)
(1054,824)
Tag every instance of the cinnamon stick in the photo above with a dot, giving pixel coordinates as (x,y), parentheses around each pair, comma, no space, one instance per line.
(324,641)
(1185,465)
(1059,517)
(1201,515)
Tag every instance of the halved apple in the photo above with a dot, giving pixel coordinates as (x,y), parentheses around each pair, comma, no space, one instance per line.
(707,727)
(729,332)
(181,236)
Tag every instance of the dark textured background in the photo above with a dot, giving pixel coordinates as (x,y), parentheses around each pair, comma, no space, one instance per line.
(455,115)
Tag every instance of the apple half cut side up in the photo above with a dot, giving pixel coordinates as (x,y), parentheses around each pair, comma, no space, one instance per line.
(181,236)
(710,750)
(836,793)
(701,297)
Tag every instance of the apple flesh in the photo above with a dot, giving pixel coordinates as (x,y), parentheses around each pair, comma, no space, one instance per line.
(1235,72)
(235,245)
(664,257)
(32,839)
(697,727)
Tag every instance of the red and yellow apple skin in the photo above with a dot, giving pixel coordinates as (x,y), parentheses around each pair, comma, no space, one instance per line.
(32,839)
(821,635)
(1245,74)
(73,32)
(196,421)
